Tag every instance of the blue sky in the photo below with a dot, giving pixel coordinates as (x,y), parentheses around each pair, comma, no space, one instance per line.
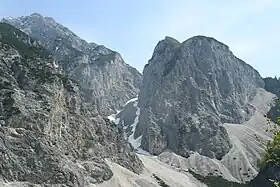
(251,28)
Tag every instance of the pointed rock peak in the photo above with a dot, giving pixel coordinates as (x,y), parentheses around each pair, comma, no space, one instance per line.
(170,39)
(40,18)
(8,19)
(50,19)
(167,42)
(36,15)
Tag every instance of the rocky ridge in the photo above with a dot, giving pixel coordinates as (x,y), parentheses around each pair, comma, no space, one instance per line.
(50,134)
(102,73)
(239,165)
(189,90)
(197,100)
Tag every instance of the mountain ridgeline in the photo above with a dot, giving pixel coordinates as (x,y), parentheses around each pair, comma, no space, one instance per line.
(50,133)
(73,113)
(101,72)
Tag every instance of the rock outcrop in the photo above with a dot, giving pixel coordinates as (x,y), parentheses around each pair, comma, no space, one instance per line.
(50,133)
(101,72)
(189,90)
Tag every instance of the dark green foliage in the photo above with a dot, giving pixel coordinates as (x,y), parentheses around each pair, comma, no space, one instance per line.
(217,181)
(264,177)
(274,112)
(270,164)
(160,181)
(273,85)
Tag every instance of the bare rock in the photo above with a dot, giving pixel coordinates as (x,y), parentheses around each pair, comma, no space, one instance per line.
(107,81)
(189,90)
(51,134)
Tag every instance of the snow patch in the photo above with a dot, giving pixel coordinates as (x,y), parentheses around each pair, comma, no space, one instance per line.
(167,103)
(131,100)
(113,117)
(55,64)
(135,142)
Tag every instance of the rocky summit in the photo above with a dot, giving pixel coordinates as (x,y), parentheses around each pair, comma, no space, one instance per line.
(74,114)
(50,134)
(102,73)
(189,90)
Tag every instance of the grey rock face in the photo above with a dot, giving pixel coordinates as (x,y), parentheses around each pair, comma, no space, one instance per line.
(50,134)
(101,72)
(51,35)
(107,81)
(190,89)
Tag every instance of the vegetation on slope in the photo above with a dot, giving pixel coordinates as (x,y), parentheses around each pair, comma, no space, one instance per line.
(270,165)
(160,181)
(273,85)
(272,155)
(23,43)
(269,175)
(217,181)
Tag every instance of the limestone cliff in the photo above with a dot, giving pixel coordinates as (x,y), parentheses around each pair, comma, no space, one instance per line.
(189,90)
(50,133)
(101,72)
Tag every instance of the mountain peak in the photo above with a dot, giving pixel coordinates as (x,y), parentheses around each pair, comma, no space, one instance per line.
(87,63)
(170,39)
(51,34)
(205,39)
(209,81)
(35,14)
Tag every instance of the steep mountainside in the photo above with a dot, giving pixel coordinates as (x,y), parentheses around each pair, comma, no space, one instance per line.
(200,109)
(189,90)
(50,134)
(101,72)
(270,170)
(239,165)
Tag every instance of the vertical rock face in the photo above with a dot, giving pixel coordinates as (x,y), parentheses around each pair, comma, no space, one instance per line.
(101,72)
(50,133)
(189,89)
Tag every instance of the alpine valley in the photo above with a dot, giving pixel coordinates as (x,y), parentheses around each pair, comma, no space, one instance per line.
(74,114)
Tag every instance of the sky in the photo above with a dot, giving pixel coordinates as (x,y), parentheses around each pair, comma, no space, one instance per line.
(251,28)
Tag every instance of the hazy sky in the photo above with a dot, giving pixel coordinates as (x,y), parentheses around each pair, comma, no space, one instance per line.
(251,28)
